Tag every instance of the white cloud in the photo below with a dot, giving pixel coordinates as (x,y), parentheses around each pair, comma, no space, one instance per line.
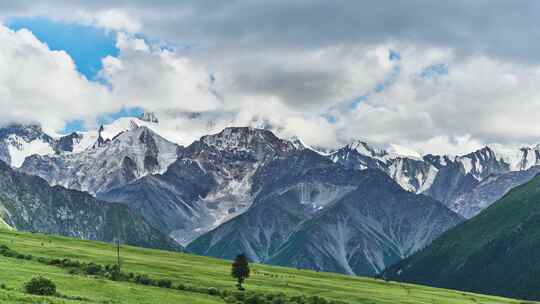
(40,85)
(482,99)
(116,20)
(155,78)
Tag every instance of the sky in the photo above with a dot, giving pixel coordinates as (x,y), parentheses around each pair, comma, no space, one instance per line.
(439,77)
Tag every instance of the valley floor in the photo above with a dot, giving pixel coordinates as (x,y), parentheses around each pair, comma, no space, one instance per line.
(190,270)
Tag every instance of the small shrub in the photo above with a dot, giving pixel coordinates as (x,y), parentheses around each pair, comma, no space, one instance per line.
(43,260)
(93,269)
(71,263)
(164,283)
(55,262)
(74,271)
(143,279)
(255,299)
(317,300)
(181,287)
(40,286)
(298,299)
(213,291)
(279,300)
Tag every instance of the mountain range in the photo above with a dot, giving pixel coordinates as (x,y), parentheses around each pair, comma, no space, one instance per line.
(355,210)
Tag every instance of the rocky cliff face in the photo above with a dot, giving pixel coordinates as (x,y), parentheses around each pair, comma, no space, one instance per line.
(210,182)
(28,203)
(449,179)
(303,200)
(171,202)
(128,156)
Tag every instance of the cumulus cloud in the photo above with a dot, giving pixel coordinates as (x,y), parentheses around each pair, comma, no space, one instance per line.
(40,85)
(155,78)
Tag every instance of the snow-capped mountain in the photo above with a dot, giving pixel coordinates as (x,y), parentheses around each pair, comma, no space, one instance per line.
(247,189)
(20,141)
(297,198)
(405,166)
(83,140)
(445,178)
(211,182)
(107,164)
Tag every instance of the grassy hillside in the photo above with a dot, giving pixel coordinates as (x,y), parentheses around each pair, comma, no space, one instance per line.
(496,252)
(190,270)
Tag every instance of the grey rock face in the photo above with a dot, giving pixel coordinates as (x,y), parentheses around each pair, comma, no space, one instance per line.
(457,182)
(66,143)
(289,190)
(170,202)
(491,190)
(210,183)
(369,229)
(294,219)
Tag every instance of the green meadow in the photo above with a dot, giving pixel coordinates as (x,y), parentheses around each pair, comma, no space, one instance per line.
(190,270)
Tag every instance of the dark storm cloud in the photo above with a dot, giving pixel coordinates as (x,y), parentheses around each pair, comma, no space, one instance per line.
(501,28)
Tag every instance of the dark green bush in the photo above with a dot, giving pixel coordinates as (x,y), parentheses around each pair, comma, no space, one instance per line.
(181,287)
(143,279)
(70,263)
(116,275)
(93,269)
(43,260)
(40,286)
(213,291)
(164,283)
(317,300)
(255,299)
(279,300)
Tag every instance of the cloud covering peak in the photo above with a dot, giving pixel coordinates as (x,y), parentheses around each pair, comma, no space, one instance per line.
(429,75)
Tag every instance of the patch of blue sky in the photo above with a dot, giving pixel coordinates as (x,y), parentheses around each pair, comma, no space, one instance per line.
(394,55)
(86,45)
(333,119)
(124,112)
(351,105)
(434,70)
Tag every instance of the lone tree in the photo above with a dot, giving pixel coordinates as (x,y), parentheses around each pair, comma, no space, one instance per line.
(240,270)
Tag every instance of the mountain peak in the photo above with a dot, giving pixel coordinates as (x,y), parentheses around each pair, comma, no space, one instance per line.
(246,138)
(149,117)
(364,148)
